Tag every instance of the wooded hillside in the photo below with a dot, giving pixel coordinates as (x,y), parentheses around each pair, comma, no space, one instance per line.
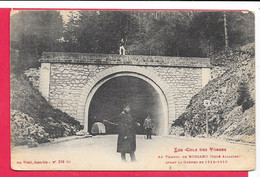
(164,33)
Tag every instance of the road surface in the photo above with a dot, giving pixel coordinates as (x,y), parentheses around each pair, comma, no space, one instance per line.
(160,153)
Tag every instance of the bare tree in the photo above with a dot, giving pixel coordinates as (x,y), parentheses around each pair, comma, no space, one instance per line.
(225,31)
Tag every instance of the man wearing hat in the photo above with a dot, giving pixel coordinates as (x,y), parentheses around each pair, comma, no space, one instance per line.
(126,142)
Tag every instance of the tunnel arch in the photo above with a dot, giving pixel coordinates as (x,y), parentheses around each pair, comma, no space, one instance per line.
(148,76)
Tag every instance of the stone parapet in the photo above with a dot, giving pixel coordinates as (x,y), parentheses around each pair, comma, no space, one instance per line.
(115,59)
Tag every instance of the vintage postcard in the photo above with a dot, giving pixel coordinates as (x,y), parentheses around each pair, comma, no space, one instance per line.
(132,90)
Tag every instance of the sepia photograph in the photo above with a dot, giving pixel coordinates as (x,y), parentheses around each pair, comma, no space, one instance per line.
(134,90)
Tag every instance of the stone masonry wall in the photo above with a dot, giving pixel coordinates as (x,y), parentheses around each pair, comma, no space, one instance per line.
(68,80)
(183,83)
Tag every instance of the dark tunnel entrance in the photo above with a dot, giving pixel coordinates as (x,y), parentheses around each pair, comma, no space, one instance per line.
(143,98)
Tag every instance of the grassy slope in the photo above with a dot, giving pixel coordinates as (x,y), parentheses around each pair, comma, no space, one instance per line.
(232,95)
(27,100)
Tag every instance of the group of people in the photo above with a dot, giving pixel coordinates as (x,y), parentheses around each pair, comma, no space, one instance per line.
(126,142)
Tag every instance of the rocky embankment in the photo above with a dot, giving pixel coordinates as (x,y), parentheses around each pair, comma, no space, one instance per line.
(232,101)
(33,119)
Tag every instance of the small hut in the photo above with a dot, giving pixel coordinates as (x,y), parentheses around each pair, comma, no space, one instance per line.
(98,128)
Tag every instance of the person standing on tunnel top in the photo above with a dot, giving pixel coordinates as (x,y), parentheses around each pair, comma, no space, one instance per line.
(121,47)
(126,142)
(148,125)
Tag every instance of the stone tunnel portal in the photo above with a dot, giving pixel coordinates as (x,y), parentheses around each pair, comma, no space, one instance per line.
(69,81)
(142,97)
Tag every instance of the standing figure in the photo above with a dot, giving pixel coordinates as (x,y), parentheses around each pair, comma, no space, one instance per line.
(121,47)
(148,125)
(126,142)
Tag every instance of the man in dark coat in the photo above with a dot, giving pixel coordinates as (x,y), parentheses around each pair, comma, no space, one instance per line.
(126,142)
(148,125)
